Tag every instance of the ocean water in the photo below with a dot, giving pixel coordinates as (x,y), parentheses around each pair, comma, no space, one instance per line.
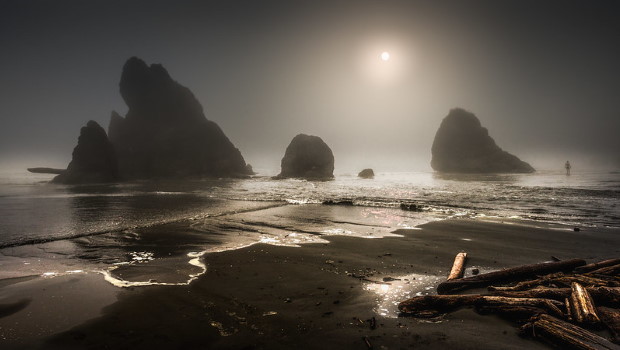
(154,232)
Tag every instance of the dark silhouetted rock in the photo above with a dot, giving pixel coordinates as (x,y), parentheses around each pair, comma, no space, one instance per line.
(42,170)
(462,145)
(366,174)
(165,132)
(307,157)
(345,202)
(94,159)
(411,207)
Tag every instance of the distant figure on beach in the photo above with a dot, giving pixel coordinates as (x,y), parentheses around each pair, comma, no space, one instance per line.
(567,167)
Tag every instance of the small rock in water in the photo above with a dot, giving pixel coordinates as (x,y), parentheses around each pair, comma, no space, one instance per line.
(576,229)
(410,207)
(366,174)
(390,279)
(343,202)
(475,271)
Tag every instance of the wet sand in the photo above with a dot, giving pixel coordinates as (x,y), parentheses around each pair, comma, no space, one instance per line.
(319,295)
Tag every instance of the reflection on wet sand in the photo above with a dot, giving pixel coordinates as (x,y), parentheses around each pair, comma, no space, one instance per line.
(171,253)
(396,289)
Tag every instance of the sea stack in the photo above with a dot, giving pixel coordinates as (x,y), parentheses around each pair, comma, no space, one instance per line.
(366,174)
(307,157)
(165,132)
(462,145)
(94,159)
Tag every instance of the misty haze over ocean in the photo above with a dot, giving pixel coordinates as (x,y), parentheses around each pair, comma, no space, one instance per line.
(540,76)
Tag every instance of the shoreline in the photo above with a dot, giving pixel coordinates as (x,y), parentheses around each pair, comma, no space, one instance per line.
(318,295)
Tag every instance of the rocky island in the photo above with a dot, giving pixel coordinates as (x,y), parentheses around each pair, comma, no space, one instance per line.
(462,145)
(307,157)
(94,159)
(165,134)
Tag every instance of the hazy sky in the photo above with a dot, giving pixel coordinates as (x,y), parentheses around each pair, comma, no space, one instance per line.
(542,76)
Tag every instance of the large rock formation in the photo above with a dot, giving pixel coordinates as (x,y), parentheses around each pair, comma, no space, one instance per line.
(307,157)
(462,145)
(165,132)
(94,159)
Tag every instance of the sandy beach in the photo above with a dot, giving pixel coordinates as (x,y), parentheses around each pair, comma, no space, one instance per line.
(317,295)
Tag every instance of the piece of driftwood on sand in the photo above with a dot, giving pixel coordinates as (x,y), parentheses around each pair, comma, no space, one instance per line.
(509,274)
(611,319)
(556,280)
(458,267)
(433,305)
(607,296)
(566,335)
(597,265)
(581,305)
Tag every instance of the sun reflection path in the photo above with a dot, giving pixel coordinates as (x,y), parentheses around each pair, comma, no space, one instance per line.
(389,294)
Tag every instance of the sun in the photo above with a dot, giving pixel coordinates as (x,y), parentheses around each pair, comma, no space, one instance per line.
(385,56)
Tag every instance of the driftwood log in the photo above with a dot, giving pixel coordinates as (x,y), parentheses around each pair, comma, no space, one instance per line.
(597,265)
(555,279)
(521,314)
(608,270)
(458,268)
(581,305)
(509,274)
(607,296)
(434,305)
(566,335)
(611,319)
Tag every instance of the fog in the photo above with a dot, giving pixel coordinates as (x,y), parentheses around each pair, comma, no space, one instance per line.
(541,76)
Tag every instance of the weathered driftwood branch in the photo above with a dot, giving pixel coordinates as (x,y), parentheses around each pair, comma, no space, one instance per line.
(556,279)
(575,311)
(611,319)
(525,285)
(550,306)
(613,270)
(608,296)
(433,305)
(566,335)
(539,292)
(458,267)
(584,305)
(569,310)
(519,314)
(525,271)
(597,265)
